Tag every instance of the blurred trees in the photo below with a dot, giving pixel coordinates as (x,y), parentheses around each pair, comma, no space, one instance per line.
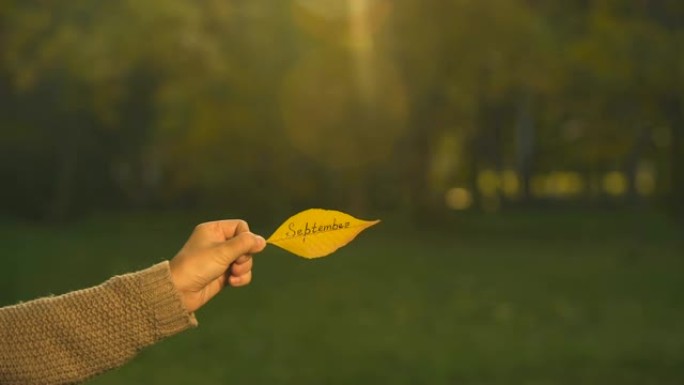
(365,104)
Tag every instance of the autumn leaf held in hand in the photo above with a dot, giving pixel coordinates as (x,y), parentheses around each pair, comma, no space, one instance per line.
(315,233)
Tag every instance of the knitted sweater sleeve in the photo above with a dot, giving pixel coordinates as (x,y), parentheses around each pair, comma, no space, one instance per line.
(69,338)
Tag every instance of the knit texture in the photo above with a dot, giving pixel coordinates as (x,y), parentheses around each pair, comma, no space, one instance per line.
(70,338)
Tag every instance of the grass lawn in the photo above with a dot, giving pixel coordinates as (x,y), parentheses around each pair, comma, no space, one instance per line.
(533,298)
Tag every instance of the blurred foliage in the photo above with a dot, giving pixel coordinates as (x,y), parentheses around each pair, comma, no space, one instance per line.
(266,107)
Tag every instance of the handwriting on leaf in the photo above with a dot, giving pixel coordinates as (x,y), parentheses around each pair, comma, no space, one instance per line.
(315,233)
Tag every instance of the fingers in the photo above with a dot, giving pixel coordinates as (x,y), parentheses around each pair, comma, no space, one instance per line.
(243,280)
(240,268)
(240,227)
(240,273)
(218,231)
(243,258)
(242,244)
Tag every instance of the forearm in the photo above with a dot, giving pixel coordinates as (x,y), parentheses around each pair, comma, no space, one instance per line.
(69,338)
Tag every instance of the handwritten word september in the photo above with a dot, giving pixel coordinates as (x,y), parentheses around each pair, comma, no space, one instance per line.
(307,230)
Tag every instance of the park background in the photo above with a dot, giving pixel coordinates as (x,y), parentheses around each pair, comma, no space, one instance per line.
(526,158)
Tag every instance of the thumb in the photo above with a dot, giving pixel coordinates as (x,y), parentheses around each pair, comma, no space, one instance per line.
(241,244)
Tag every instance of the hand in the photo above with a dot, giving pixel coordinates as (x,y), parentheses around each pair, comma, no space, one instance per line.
(216,254)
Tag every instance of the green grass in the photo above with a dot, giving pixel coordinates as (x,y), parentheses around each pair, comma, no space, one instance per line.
(527,298)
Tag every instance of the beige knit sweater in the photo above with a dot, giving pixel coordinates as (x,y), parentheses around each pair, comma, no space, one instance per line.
(70,338)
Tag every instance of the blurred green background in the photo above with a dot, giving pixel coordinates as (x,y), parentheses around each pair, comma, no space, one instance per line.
(526,157)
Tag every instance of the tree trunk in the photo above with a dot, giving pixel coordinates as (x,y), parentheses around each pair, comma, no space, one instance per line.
(632,163)
(423,129)
(475,149)
(492,117)
(67,163)
(357,190)
(525,133)
(676,118)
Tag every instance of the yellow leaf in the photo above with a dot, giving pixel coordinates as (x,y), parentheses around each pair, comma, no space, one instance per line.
(315,233)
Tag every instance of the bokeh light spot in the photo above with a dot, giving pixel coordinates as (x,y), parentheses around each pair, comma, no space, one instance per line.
(488,182)
(458,198)
(646,179)
(615,183)
(339,21)
(327,116)
(510,183)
